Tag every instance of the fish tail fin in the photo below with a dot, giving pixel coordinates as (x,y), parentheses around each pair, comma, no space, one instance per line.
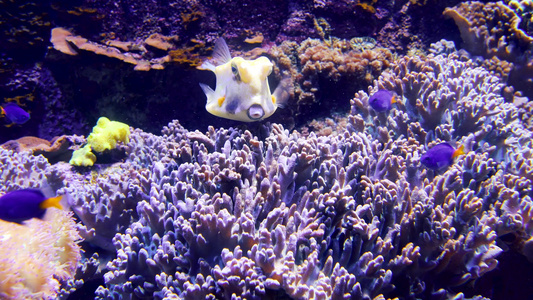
(2,111)
(281,94)
(394,99)
(52,202)
(459,151)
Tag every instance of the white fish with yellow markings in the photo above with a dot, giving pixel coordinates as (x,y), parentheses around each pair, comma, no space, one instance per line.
(242,92)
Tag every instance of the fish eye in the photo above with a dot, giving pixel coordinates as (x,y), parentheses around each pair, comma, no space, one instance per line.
(255,112)
(235,70)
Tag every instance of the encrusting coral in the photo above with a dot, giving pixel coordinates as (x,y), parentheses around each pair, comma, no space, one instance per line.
(319,67)
(137,54)
(497,30)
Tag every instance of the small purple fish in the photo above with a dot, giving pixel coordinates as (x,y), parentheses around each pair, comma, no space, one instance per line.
(382,100)
(441,156)
(14,113)
(22,205)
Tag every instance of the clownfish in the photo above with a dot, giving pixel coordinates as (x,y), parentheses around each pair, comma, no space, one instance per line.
(382,100)
(14,114)
(22,205)
(441,156)
(242,92)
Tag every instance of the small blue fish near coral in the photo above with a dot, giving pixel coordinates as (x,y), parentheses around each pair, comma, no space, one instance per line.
(441,156)
(382,100)
(14,114)
(22,205)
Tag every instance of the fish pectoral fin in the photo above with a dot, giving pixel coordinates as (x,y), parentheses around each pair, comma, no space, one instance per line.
(208,91)
(52,202)
(281,94)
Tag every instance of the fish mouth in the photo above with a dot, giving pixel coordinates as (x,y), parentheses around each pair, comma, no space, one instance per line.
(256,112)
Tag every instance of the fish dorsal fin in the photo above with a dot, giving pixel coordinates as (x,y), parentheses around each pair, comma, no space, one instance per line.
(221,53)
(52,202)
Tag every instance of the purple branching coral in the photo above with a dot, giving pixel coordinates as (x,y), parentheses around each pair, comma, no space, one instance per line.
(345,216)
(352,215)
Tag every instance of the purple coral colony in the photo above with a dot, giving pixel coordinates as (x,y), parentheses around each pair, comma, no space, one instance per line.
(328,198)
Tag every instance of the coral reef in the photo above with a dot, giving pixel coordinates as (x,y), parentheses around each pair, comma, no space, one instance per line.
(349,214)
(165,39)
(137,54)
(496,30)
(340,208)
(323,70)
(58,149)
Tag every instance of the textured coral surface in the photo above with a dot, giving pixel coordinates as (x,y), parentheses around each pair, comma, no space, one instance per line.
(327,199)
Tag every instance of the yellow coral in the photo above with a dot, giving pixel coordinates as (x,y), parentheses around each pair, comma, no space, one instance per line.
(105,136)
(83,157)
(34,257)
(107,133)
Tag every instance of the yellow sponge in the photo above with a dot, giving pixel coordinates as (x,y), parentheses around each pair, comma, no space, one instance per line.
(107,133)
(83,157)
(105,136)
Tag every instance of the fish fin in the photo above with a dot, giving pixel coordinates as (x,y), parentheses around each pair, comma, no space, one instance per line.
(459,151)
(393,99)
(207,66)
(208,91)
(281,94)
(52,202)
(2,111)
(221,54)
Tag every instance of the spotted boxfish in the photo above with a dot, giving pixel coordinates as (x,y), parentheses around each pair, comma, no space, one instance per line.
(242,92)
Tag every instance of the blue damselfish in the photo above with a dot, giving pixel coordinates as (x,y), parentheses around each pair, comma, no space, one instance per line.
(14,113)
(382,100)
(22,205)
(441,156)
